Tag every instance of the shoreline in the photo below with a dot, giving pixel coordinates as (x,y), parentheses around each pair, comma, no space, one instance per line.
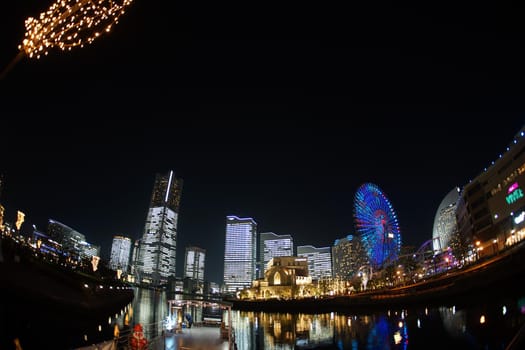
(498,276)
(48,306)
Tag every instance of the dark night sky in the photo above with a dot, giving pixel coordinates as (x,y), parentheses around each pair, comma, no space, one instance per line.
(278,112)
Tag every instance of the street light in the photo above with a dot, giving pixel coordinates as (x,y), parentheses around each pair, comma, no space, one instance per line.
(496,248)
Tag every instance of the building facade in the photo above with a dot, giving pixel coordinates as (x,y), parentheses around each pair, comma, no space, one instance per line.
(69,239)
(194,261)
(239,253)
(491,208)
(445,223)
(272,245)
(120,253)
(348,255)
(285,277)
(88,250)
(319,260)
(158,246)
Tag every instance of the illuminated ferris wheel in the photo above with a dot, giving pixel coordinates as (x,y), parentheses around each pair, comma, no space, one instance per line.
(376,223)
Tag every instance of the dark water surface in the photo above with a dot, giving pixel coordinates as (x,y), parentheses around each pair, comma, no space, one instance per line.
(489,324)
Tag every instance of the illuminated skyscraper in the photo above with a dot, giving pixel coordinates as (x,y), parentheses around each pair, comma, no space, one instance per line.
(73,243)
(194,263)
(348,255)
(120,252)
(319,260)
(157,253)
(272,245)
(239,253)
(70,239)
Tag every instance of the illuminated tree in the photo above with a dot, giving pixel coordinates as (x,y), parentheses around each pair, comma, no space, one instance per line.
(67,24)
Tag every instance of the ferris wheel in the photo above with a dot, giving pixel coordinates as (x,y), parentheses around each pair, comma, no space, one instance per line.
(376,222)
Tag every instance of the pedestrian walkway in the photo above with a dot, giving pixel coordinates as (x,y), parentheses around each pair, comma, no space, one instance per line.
(195,338)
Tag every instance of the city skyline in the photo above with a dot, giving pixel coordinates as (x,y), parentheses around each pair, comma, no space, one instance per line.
(284,201)
(279,114)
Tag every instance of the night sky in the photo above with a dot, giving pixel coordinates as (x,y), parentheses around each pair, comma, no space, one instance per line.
(273,111)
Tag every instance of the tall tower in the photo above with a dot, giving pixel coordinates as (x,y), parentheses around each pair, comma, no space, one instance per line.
(120,252)
(157,254)
(194,263)
(239,253)
(272,245)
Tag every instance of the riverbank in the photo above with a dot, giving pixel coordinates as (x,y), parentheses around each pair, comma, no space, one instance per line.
(46,304)
(496,276)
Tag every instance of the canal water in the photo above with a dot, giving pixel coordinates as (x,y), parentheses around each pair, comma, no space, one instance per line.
(487,325)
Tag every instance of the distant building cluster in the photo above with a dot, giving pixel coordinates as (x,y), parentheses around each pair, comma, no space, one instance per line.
(477,220)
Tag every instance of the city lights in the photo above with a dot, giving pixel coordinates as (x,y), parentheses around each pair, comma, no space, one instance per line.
(70,23)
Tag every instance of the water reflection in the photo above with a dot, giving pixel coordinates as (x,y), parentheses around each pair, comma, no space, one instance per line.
(149,308)
(453,326)
(424,328)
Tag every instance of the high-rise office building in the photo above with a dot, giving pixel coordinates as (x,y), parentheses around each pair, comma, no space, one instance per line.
(70,239)
(157,253)
(319,260)
(194,263)
(120,253)
(72,242)
(348,255)
(88,250)
(272,245)
(490,211)
(134,262)
(239,253)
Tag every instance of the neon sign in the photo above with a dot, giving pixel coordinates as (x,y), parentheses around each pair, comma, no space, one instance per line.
(512,187)
(514,193)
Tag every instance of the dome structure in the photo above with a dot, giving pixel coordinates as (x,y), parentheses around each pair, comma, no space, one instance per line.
(445,221)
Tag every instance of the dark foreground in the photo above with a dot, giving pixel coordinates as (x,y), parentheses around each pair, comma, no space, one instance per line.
(37,297)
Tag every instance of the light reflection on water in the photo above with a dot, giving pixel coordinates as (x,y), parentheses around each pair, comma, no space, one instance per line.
(443,327)
(149,308)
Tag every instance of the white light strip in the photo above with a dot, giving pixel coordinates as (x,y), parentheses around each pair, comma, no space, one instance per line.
(169,185)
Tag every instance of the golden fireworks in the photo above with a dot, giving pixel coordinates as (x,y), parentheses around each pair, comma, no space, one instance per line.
(70,23)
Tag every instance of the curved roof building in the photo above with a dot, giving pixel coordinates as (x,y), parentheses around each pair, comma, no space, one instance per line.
(445,222)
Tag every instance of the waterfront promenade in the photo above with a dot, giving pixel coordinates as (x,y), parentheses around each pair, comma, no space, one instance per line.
(497,275)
